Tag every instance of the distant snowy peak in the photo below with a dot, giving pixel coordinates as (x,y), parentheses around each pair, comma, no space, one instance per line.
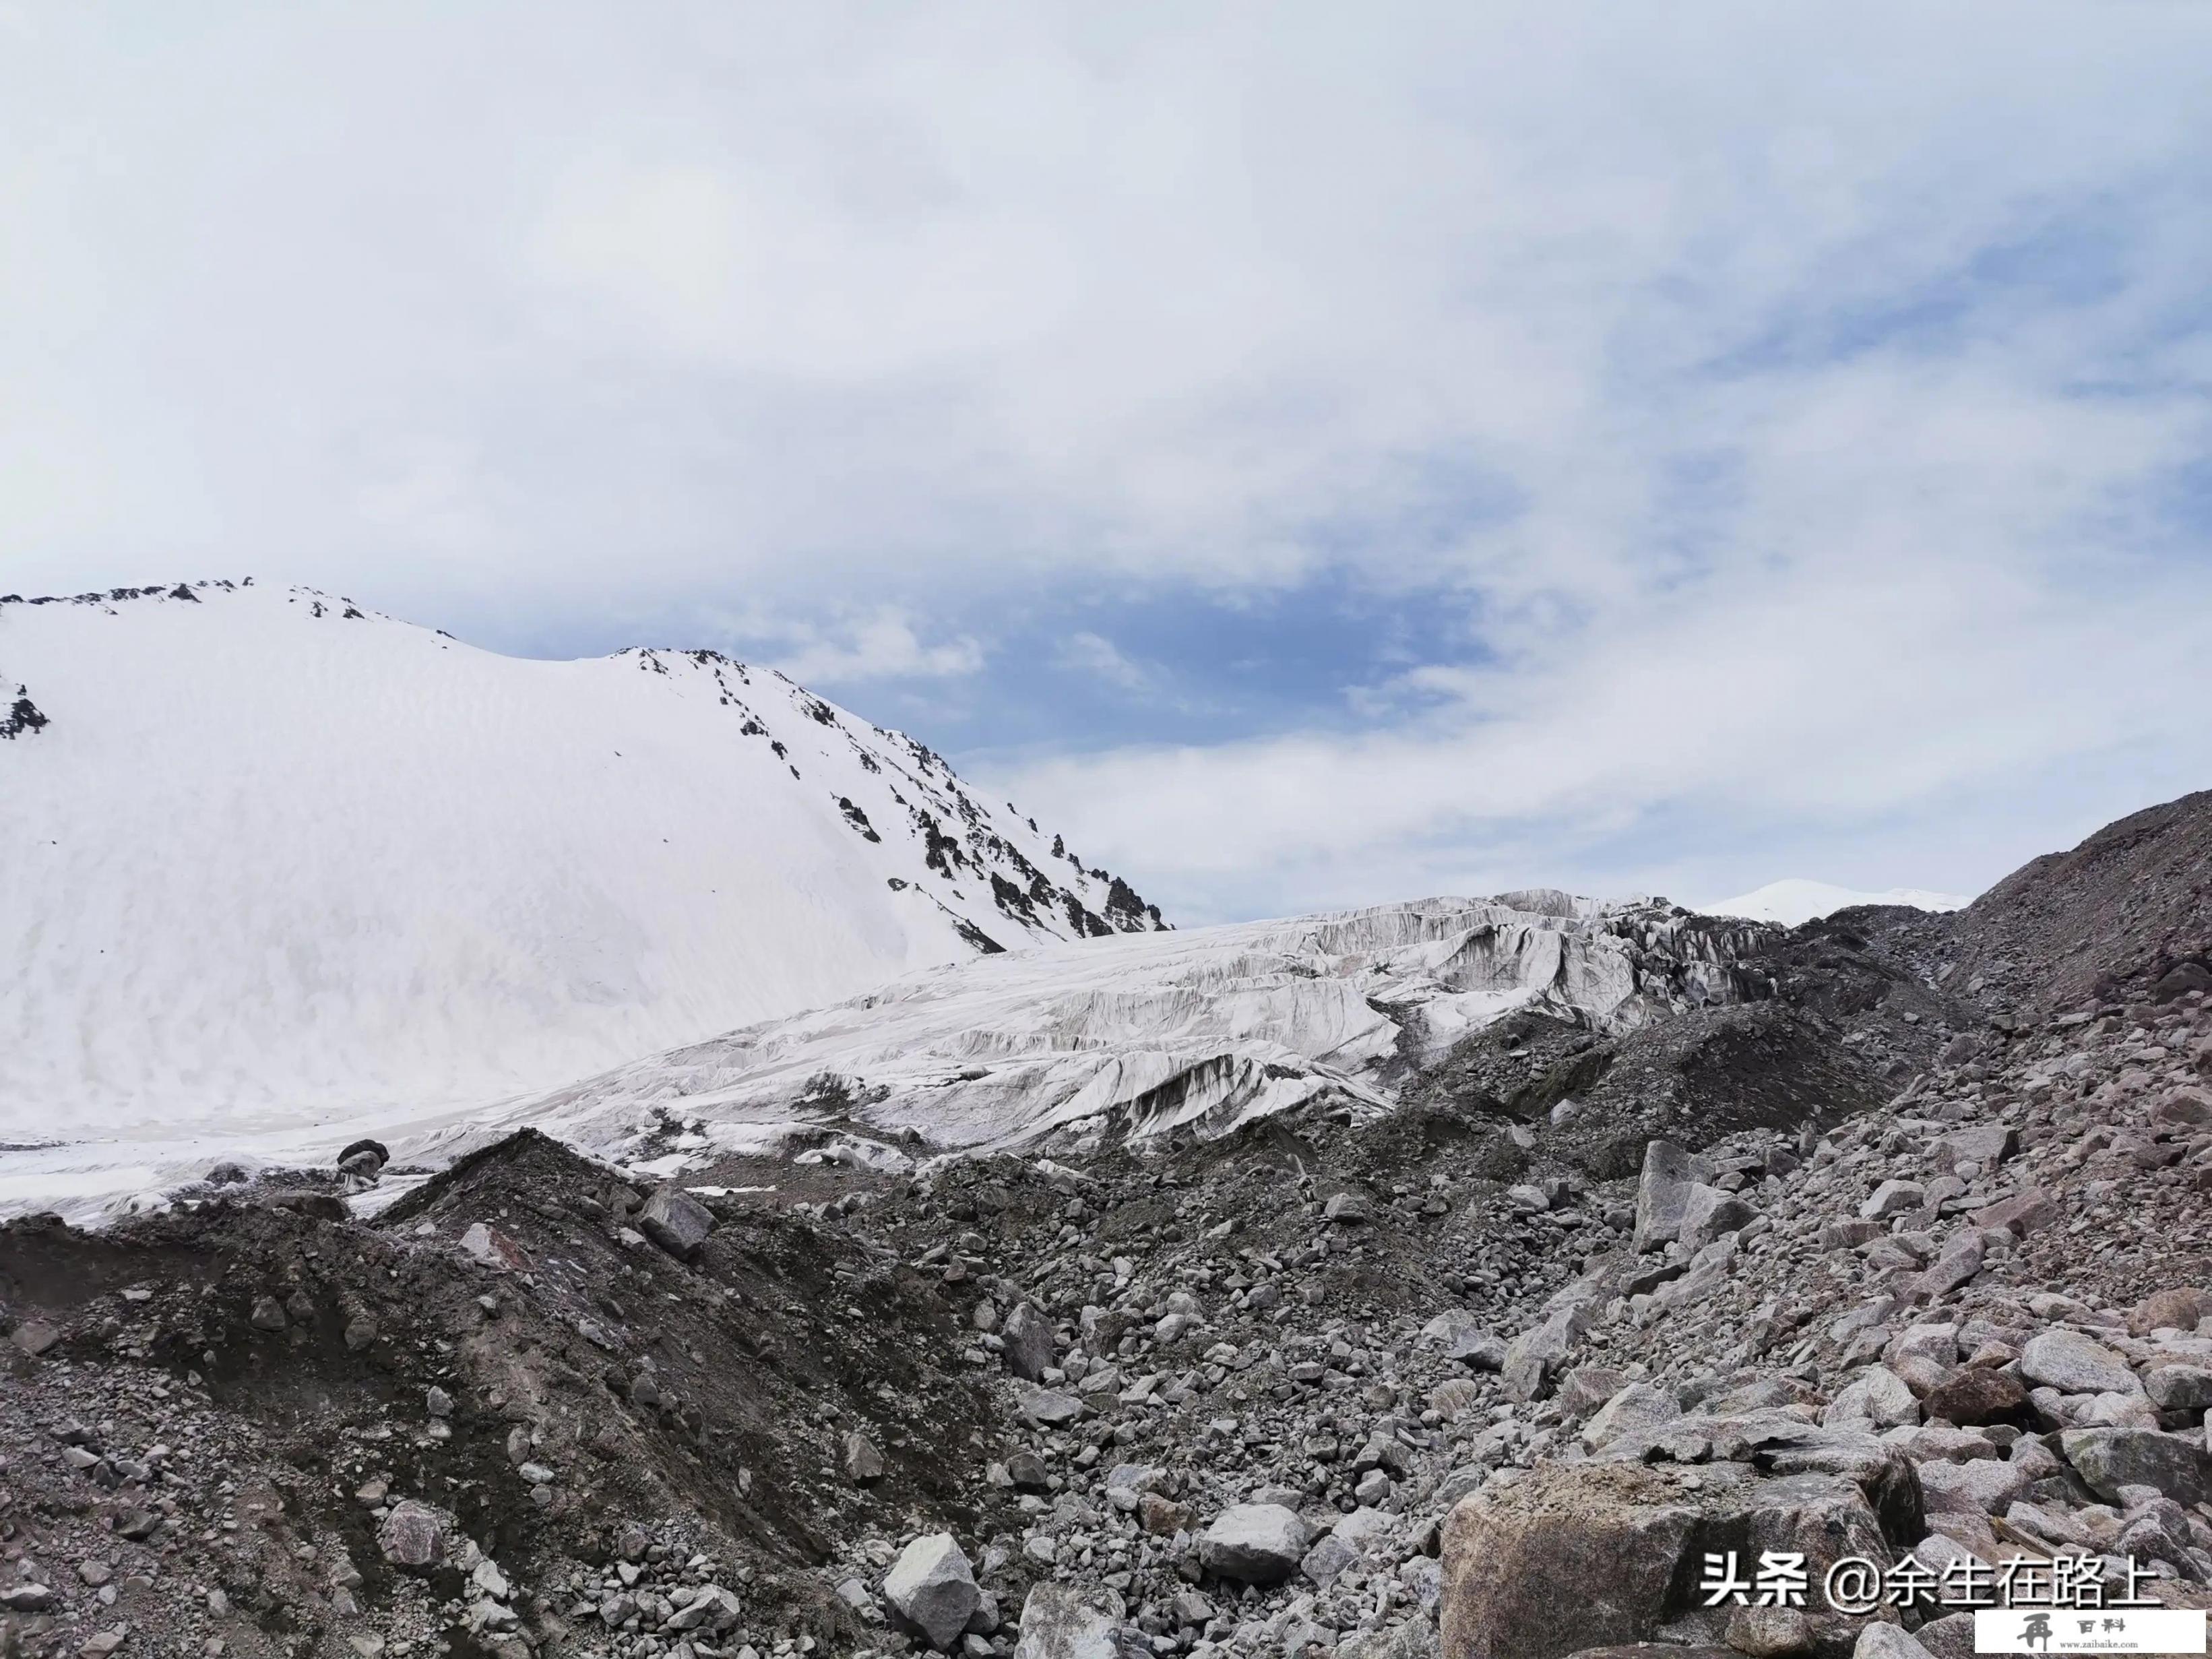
(265,848)
(1794,903)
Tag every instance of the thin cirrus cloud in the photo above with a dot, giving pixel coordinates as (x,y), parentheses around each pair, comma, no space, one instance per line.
(1098,658)
(1729,442)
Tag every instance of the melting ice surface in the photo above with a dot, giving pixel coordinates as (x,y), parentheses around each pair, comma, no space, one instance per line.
(1070,1045)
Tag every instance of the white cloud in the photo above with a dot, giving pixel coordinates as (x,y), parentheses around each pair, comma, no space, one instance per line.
(1776,403)
(883,646)
(1094,654)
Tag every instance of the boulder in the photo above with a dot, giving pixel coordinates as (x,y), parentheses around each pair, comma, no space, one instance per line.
(1533,1357)
(1061,1621)
(1888,1642)
(493,1248)
(1709,1213)
(1986,1144)
(675,1221)
(1460,1336)
(1771,1632)
(1980,1484)
(1951,1636)
(1638,1406)
(1960,1261)
(2074,1363)
(412,1536)
(2179,1387)
(2180,980)
(2180,1309)
(1663,1192)
(1326,1560)
(1349,1208)
(1048,1409)
(2178,1466)
(1253,1543)
(864,1464)
(2028,1211)
(1975,1396)
(1028,1336)
(1878,1397)
(1576,1556)
(931,1590)
(366,1158)
(1892,1198)
(1587,1387)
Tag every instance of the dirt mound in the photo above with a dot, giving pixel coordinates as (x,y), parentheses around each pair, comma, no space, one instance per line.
(2128,913)
(506,1347)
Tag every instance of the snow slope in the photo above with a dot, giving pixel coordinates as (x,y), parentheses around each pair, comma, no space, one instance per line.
(1793,902)
(269,862)
(1199,1031)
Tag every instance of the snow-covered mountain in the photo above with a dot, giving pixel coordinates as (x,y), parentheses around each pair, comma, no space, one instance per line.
(268,858)
(1794,901)
(1064,1046)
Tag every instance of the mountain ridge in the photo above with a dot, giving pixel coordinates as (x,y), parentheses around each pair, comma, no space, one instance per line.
(269,845)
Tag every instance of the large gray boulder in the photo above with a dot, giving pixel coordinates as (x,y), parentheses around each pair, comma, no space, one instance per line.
(1061,1621)
(2074,1362)
(1580,1556)
(1028,1336)
(675,1221)
(932,1589)
(1639,1406)
(1048,1409)
(1534,1357)
(1893,1197)
(1888,1642)
(1459,1335)
(1709,1213)
(1979,1486)
(1254,1544)
(1878,1396)
(2178,1466)
(1663,1192)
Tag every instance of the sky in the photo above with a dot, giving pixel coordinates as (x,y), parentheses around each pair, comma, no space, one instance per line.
(1314,455)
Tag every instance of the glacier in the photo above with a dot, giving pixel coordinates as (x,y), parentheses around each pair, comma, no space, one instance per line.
(1197,1032)
(273,864)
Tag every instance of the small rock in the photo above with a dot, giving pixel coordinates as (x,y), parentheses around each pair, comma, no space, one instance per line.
(863,1463)
(494,1248)
(413,1536)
